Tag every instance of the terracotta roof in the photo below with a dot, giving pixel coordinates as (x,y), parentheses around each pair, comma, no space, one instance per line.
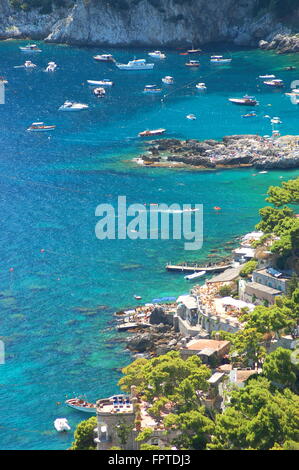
(243,375)
(206,343)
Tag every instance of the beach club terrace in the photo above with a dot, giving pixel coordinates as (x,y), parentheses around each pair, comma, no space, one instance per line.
(129,411)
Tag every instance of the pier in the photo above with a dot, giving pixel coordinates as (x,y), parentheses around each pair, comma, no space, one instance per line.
(194,268)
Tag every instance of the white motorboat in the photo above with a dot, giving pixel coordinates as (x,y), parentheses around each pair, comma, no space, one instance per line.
(276,120)
(267,76)
(30,48)
(51,67)
(152,89)
(168,80)
(195,275)
(192,117)
(193,51)
(294,92)
(201,86)
(61,425)
(99,92)
(40,127)
(219,59)
(149,133)
(245,101)
(276,83)
(29,65)
(73,106)
(104,58)
(157,55)
(81,405)
(104,82)
(137,297)
(192,63)
(136,64)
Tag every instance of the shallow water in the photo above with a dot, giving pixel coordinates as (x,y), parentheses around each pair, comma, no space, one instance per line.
(56,343)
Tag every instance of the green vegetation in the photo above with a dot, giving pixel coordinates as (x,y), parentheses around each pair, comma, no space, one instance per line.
(165,379)
(248,268)
(264,414)
(257,419)
(225,291)
(279,369)
(84,435)
(282,223)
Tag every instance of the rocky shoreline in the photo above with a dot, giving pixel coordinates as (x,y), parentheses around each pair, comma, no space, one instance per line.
(282,44)
(233,151)
(148,23)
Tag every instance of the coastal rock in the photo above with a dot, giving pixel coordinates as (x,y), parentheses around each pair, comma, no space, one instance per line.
(232,151)
(142,22)
(282,43)
(159,316)
(159,338)
(140,342)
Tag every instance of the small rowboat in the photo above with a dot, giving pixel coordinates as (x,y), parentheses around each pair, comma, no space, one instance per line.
(149,133)
(40,127)
(81,405)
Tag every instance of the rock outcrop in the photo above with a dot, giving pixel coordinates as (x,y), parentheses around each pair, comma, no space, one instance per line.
(282,43)
(143,22)
(159,340)
(232,151)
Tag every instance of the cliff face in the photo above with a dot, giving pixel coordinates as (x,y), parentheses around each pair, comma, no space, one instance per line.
(94,22)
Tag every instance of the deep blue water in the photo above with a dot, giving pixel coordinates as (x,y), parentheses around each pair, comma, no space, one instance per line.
(50,185)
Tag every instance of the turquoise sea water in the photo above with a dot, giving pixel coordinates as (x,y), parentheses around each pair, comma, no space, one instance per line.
(57,344)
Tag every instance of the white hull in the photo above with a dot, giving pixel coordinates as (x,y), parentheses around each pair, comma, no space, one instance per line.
(99,83)
(189,277)
(61,425)
(30,51)
(81,408)
(221,61)
(73,108)
(41,130)
(136,67)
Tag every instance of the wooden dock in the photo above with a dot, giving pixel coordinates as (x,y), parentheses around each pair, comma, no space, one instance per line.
(195,268)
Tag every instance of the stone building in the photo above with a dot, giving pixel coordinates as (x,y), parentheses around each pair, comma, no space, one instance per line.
(120,419)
